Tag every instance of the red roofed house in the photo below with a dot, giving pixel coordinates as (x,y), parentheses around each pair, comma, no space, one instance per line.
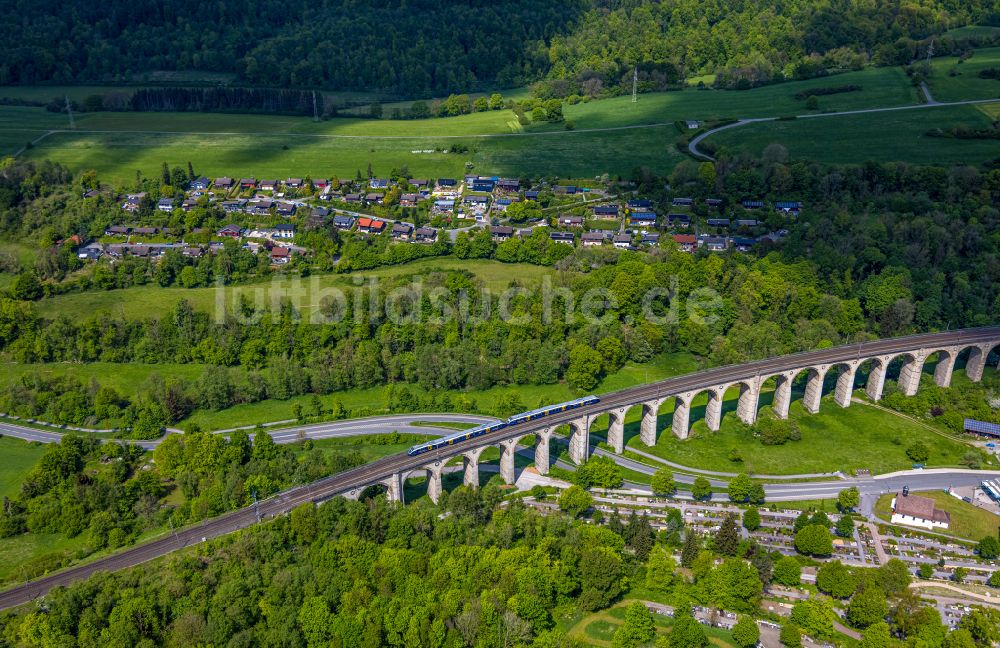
(686,242)
(280,255)
(370,225)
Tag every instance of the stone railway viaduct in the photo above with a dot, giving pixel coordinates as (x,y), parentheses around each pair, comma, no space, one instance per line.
(873,359)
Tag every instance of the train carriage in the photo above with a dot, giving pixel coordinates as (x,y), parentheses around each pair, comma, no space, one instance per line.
(486,428)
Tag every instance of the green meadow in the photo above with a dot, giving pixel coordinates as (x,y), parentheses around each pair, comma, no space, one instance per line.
(307,295)
(955,80)
(117,144)
(833,439)
(884,136)
(19,458)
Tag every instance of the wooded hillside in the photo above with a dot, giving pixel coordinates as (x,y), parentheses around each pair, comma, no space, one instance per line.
(427,47)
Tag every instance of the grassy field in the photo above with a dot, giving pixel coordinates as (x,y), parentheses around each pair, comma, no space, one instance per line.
(598,628)
(116,144)
(967,521)
(967,84)
(834,439)
(307,295)
(19,457)
(858,138)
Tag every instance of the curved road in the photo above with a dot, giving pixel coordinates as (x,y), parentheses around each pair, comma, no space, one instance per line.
(693,144)
(362,476)
(403,423)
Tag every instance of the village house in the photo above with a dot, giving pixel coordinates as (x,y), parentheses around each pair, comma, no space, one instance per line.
(231,206)
(165,204)
(231,231)
(189,204)
(371,225)
(268,185)
(567,220)
(682,202)
(718,222)
(606,211)
(402,231)
(562,237)
(200,183)
(259,206)
(531,194)
(508,185)
(650,238)
(193,252)
(640,203)
(284,231)
(622,241)
(752,204)
(746,222)
(409,200)
(501,233)
(425,235)
(373,197)
(118,230)
(90,252)
(419,184)
(686,242)
(379,183)
(285,208)
(223,183)
(280,255)
(132,201)
(352,198)
(714,203)
(744,244)
(593,239)
(443,206)
(321,183)
(642,219)
(501,204)
(715,243)
(914,510)
(294,183)
(482,184)
(678,221)
(343,222)
(248,183)
(792,207)
(144,231)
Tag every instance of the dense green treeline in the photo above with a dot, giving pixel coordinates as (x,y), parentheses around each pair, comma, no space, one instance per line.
(409,48)
(428,47)
(108,495)
(474,571)
(745,43)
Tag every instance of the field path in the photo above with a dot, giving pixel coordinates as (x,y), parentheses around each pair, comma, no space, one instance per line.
(693,144)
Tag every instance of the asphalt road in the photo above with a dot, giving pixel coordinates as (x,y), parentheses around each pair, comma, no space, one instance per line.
(362,476)
(403,423)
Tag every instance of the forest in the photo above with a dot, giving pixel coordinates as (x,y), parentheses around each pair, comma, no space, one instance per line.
(425,47)
(481,571)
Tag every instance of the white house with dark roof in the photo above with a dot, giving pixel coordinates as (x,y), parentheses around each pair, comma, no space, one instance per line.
(914,510)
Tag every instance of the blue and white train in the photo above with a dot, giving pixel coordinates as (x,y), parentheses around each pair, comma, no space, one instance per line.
(479,430)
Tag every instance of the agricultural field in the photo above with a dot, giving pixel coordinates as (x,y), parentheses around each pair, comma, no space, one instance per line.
(116,144)
(966,84)
(967,521)
(858,138)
